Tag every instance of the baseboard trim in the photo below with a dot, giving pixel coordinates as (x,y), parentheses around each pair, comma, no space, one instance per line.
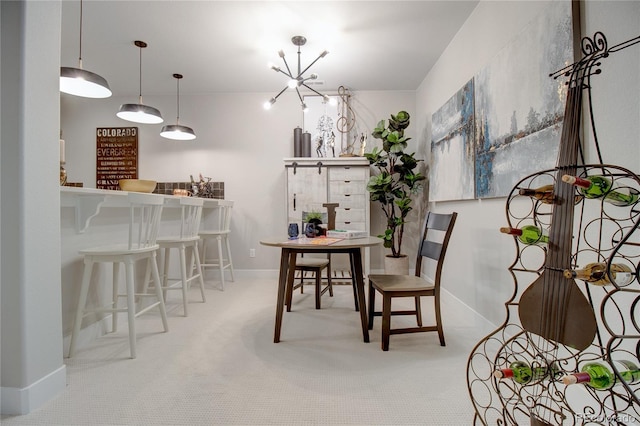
(20,401)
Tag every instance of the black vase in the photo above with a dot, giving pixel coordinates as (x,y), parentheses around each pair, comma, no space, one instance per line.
(312,228)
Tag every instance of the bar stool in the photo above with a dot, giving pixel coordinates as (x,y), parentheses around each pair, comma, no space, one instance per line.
(221,235)
(186,241)
(145,211)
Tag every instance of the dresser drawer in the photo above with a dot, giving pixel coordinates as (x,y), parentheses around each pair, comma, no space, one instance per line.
(348,173)
(350,215)
(348,200)
(352,187)
(351,226)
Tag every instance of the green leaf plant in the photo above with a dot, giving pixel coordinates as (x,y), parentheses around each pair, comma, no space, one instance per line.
(396,182)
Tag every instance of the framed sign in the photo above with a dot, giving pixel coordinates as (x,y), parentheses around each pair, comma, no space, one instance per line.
(116,155)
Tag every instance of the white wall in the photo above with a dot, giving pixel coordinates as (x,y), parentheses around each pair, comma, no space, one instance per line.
(31,346)
(238,142)
(480,254)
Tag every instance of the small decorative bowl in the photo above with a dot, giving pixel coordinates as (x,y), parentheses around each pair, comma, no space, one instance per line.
(181,192)
(137,185)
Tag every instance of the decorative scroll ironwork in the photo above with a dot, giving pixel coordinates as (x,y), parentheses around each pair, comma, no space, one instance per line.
(603,232)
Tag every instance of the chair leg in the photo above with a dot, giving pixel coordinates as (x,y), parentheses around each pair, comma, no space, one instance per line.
(439,319)
(418,312)
(220,263)
(230,264)
(165,272)
(372,304)
(196,259)
(183,277)
(318,277)
(130,277)
(386,321)
(329,278)
(115,280)
(353,282)
(156,279)
(84,290)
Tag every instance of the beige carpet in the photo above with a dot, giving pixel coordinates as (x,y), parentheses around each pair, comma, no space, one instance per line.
(219,366)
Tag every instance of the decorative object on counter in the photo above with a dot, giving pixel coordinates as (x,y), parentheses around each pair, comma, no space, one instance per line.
(167,188)
(306,144)
(181,192)
(299,80)
(396,182)
(297,142)
(203,188)
(137,185)
(63,171)
(177,131)
(139,113)
(80,82)
(63,174)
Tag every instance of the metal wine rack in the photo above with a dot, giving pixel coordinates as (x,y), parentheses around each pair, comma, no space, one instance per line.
(602,232)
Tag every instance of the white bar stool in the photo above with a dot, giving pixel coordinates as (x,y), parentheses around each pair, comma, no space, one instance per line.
(221,235)
(145,211)
(186,241)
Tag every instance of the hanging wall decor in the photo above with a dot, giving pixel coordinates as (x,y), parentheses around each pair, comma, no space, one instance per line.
(116,156)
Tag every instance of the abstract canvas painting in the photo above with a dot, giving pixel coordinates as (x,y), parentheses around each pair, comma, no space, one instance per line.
(518,107)
(451,175)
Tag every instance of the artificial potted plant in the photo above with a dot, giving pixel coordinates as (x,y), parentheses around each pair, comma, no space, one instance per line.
(396,181)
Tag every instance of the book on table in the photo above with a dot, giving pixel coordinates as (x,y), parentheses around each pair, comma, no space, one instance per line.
(347,234)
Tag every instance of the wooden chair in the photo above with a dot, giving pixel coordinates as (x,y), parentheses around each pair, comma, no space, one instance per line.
(415,286)
(186,242)
(145,213)
(316,266)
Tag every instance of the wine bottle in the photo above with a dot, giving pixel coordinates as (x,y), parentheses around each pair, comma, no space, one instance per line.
(600,376)
(544,193)
(596,273)
(599,187)
(528,234)
(523,373)
(194,186)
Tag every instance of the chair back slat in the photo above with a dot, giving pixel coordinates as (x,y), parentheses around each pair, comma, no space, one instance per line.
(190,216)
(145,211)
(225,207)
(435,240)
(431,249)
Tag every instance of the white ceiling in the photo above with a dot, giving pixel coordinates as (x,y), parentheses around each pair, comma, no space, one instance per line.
(224,46)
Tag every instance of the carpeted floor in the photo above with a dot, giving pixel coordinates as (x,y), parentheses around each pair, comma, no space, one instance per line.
(219,366)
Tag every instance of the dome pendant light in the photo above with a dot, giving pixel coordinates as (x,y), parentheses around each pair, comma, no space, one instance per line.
(177,131)
(79,82)
(139,113)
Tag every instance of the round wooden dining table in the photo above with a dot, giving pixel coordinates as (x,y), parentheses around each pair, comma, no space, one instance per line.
(290,248)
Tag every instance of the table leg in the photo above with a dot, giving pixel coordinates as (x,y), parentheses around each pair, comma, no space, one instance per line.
(290,279)
(282,283)
(356,265)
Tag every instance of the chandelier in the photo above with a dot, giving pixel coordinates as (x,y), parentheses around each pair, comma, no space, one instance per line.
(296,81)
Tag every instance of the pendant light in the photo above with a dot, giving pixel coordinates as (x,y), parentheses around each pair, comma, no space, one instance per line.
(80,82)
(177,131)
(139,113)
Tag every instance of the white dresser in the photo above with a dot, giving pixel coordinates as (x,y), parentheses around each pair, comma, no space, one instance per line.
(312,182)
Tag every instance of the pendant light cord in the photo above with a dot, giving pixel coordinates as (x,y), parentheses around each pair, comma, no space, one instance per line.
(140,74)
(80,43)
(178,101)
